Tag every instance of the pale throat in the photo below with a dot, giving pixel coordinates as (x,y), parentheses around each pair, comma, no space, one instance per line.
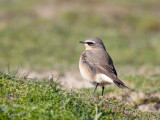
(89,48)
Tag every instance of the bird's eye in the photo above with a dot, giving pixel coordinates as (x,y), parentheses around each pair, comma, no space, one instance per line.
(90,43)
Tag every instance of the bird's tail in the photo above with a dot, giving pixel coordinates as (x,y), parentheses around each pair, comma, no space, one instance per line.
(119,83)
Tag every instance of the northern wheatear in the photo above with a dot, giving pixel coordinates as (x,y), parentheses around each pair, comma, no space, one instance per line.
(96,66)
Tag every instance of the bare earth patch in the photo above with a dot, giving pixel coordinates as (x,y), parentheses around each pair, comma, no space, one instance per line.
(70,79)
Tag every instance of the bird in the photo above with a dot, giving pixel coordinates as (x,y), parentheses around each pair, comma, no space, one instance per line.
(96,65)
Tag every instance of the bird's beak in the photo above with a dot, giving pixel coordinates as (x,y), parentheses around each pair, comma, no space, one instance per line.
(82,42)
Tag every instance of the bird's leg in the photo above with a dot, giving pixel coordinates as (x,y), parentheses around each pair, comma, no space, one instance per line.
(95,88)
(102,90)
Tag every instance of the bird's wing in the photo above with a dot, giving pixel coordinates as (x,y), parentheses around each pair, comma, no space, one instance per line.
(112,66)
(102,58)
(106,69)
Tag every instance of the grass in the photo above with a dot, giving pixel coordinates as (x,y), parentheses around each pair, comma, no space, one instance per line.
(22,98)
(35,39)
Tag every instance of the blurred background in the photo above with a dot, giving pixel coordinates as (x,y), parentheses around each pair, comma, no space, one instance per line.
(42,37)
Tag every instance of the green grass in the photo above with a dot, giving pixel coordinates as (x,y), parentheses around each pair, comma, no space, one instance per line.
(22,98)
(31,40)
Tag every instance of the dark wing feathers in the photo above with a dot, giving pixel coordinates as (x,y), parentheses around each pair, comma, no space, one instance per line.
(106,69)
(110,73)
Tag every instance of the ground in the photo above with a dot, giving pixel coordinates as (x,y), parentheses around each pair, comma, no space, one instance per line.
(23,98)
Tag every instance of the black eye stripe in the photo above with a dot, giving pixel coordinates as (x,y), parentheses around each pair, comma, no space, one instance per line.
(90,43)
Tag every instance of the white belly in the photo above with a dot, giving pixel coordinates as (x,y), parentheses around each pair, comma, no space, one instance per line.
(103,79)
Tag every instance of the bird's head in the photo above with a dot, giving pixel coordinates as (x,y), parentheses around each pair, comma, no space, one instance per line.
(93,43)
